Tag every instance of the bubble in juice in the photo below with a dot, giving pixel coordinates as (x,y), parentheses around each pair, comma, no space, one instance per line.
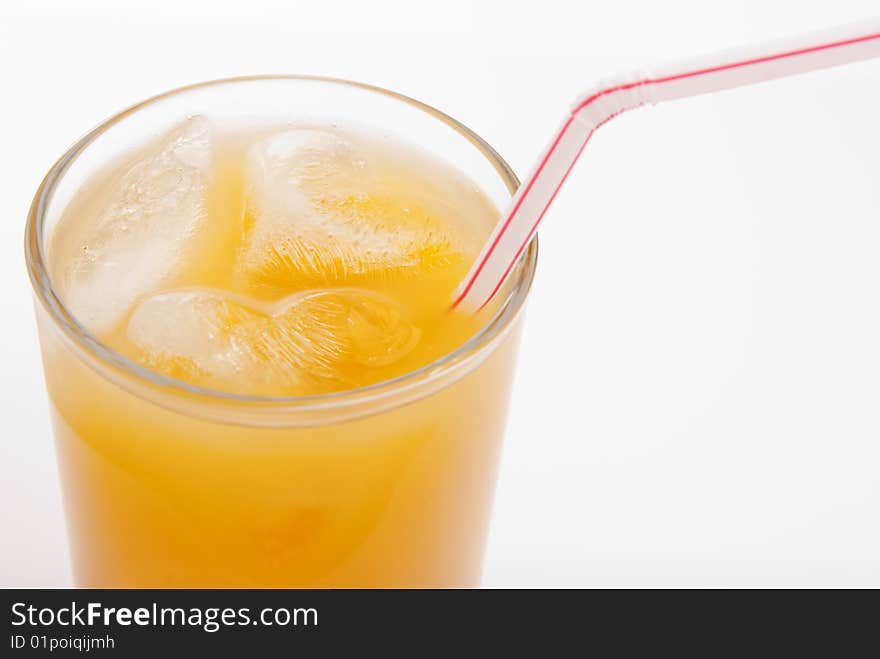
(291,261)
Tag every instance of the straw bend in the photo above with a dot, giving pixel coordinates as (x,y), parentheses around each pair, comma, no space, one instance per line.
(724,70)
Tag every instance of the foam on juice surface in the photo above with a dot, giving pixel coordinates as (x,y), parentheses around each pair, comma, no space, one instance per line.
(290,261)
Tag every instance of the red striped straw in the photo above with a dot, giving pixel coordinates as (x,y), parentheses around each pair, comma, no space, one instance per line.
(710,73)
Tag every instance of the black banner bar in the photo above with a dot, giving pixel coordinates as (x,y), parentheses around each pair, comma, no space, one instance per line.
(171,623)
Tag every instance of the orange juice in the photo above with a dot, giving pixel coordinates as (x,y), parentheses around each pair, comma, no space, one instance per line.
(268,395)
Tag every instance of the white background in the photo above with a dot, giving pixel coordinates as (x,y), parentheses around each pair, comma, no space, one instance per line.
(698,397)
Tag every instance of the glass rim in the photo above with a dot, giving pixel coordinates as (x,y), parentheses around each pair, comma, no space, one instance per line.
(83,339)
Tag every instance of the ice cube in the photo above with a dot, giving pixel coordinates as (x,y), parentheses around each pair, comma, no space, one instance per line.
(309,342)
(316,215)
(138,238)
